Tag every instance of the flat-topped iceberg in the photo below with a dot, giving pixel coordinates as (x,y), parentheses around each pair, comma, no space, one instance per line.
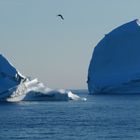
(15,87)
(115,64)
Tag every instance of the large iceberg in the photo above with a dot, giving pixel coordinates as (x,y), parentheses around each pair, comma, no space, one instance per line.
(115,64)
(15,87)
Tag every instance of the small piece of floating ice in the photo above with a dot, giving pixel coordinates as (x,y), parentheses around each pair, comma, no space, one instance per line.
(14,87)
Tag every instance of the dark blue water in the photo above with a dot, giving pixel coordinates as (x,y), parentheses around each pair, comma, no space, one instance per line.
(101,117)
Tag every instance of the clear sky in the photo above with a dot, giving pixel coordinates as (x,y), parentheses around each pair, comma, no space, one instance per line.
(58,52)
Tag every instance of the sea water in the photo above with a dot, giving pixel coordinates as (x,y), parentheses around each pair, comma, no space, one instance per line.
(101,117)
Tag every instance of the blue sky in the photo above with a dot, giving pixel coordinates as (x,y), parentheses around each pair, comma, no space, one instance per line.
(58,52)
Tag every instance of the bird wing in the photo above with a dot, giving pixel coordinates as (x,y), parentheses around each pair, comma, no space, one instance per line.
(61,16)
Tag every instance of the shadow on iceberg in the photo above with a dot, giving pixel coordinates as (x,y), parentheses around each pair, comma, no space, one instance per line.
(115,64)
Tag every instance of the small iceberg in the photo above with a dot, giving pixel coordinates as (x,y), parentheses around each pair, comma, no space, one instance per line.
(15,87)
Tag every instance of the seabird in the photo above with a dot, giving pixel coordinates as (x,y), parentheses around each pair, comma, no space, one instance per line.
(60,16)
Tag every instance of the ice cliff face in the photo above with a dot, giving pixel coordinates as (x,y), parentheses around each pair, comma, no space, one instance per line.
(115,64)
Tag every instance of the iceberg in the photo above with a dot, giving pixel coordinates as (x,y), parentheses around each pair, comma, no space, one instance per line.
(33,90)
(9,77)
(15,87)
(115,63)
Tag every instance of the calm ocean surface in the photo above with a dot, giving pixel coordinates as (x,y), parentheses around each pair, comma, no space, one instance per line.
(101,117)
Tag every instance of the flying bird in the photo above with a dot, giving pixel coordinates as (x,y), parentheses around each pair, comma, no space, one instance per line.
(60,16)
